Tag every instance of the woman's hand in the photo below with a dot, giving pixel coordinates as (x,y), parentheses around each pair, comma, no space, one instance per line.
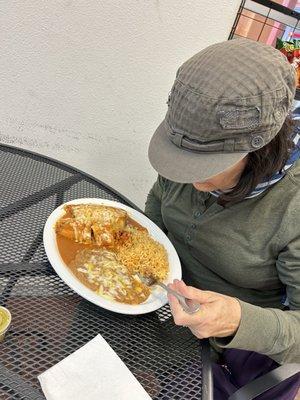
(219,315)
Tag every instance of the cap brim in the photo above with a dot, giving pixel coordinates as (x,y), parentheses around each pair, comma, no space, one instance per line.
(179,165)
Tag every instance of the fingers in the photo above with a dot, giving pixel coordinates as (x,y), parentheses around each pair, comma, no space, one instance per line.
(192,293)
(175,306)
(195,322)
(180,316)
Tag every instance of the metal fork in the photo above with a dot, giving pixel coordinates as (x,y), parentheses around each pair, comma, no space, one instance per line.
(188,305)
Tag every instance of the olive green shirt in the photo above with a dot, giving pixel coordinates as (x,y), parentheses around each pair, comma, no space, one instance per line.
(249,250)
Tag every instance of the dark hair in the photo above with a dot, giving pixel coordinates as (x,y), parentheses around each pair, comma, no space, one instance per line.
(262,164)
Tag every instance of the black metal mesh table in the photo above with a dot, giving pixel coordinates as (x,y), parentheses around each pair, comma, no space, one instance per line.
(50,321)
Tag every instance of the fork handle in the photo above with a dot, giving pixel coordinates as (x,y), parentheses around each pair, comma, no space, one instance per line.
(190,308)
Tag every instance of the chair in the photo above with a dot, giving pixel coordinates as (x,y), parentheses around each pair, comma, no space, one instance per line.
(266,382)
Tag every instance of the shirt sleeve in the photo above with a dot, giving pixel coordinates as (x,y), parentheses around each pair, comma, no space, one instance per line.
(153,203)
(270,331)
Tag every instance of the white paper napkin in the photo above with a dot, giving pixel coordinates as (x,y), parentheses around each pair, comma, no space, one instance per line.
(94,372)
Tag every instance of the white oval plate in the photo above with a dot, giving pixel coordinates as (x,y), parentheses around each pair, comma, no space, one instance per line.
(158,297)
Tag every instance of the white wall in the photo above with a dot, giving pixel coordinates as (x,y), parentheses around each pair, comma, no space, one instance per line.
(86,81)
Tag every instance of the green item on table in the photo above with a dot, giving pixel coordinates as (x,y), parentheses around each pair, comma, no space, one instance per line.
(5,319)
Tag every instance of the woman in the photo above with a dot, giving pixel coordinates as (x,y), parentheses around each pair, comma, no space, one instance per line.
(228,197)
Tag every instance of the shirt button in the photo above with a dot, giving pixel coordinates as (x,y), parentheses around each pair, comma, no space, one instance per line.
(188,237)
(193,226)
(197,214)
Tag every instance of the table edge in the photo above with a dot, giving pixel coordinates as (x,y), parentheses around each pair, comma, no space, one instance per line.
(70,167)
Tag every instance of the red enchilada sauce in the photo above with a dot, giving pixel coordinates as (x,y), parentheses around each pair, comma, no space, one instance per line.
(68,249)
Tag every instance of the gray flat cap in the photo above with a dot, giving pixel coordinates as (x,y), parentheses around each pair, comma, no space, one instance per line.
(228,100)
